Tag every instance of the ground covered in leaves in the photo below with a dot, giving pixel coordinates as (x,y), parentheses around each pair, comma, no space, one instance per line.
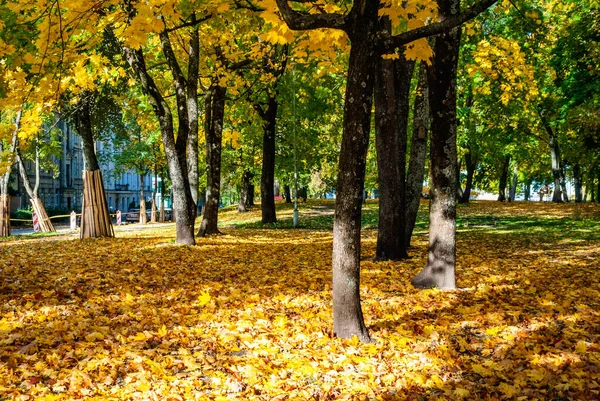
(247,315)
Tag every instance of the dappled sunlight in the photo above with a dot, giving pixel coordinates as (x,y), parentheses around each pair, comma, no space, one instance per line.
(247,315)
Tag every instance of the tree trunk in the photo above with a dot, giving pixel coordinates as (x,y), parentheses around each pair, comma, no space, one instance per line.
(418,153)
(95,216)
(36,203)
(392,84)
(459,191)
(287,191)
(598,188)
(184,207)
(4,178)
(245,192)
(143,215)
(347,313)
(153,206)
(578,183)
(557,168)
(251,195)
(440,269)
(267,180)
(527,193)
(161,215)
(471,165)
(503,180)
(563,184)
(513,186)
(192,113)
(215,112)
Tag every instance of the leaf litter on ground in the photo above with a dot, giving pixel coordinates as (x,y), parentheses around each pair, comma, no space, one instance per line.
(247,315)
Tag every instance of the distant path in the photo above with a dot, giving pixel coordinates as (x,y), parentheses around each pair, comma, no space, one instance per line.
(67,229)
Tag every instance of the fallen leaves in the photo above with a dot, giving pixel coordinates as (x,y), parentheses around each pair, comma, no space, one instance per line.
(248,316)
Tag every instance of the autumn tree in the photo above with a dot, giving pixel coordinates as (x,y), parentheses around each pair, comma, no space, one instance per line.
(362,25)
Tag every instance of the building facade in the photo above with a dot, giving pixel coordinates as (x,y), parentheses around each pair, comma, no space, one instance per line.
(65,191)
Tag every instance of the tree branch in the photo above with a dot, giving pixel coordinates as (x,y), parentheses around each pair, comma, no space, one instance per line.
(435,28)
(191,23)
(300,21)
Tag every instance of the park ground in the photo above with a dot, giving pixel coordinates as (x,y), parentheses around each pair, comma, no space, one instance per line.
(247,315)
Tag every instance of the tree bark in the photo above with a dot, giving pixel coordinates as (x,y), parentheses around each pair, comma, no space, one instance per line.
(440,269)
(143,215)
(513,186)
(267,179)
(245,192)
(503,180)
(4,178)
(557,167)
(527,193)
(392,84)
(215,113)
(36,203)
(471,165)
(184,208)
(347,312)
(192,112)
(95,216)
(418,153)
(251,195)
(287,192)
(578,183)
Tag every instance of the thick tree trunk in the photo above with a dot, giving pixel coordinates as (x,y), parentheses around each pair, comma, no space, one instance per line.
(215,112)
(267,179)
(347,313)
(418,153)
(245,192)
(471,165)
(143,215)
(392,84)
(95,216)
(36,203)
(503,180)
(440,269)
(251,195)
(578,183)
(287,192)
(513,186)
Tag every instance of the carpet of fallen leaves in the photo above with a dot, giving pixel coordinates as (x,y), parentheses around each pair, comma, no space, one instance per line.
(247,316)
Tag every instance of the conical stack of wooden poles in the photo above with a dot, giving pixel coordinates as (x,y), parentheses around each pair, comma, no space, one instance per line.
(95,216)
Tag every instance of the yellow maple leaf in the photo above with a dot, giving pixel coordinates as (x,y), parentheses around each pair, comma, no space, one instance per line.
(203,298)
